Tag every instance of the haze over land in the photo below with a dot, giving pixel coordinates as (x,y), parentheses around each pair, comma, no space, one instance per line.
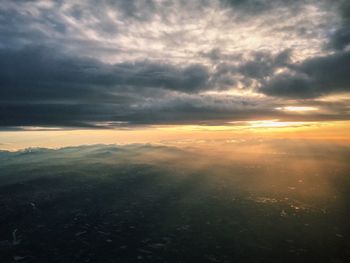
(247,201)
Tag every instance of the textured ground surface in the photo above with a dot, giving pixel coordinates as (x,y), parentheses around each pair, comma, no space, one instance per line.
(142,203)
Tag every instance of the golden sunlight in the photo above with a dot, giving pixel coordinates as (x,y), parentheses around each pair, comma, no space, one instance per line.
(275,124)
(297,108)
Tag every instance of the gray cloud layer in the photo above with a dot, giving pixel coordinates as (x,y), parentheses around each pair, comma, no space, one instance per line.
(313,78)
(89,64)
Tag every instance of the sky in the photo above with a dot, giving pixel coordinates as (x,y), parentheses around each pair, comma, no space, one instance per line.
(89,67)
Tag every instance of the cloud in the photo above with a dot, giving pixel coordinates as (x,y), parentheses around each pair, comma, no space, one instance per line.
(257,7)
(38,72)
(88,64)
(263,64)
(43,88)
(340,38)
(313,78)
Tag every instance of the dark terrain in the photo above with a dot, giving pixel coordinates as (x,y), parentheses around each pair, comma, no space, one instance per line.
(143,203)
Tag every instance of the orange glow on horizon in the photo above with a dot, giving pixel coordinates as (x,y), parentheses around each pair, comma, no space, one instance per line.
(269,129)
(297,108)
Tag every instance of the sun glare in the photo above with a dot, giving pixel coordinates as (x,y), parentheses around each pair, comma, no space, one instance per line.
(274,124)
(297,108)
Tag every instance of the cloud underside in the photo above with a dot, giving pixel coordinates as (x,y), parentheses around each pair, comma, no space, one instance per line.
(116,63)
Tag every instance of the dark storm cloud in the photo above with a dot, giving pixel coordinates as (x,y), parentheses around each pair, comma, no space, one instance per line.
(83,63)
(40,73)
(14,29)
(41,87)
(263,64)
(340,38)
(313,78)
